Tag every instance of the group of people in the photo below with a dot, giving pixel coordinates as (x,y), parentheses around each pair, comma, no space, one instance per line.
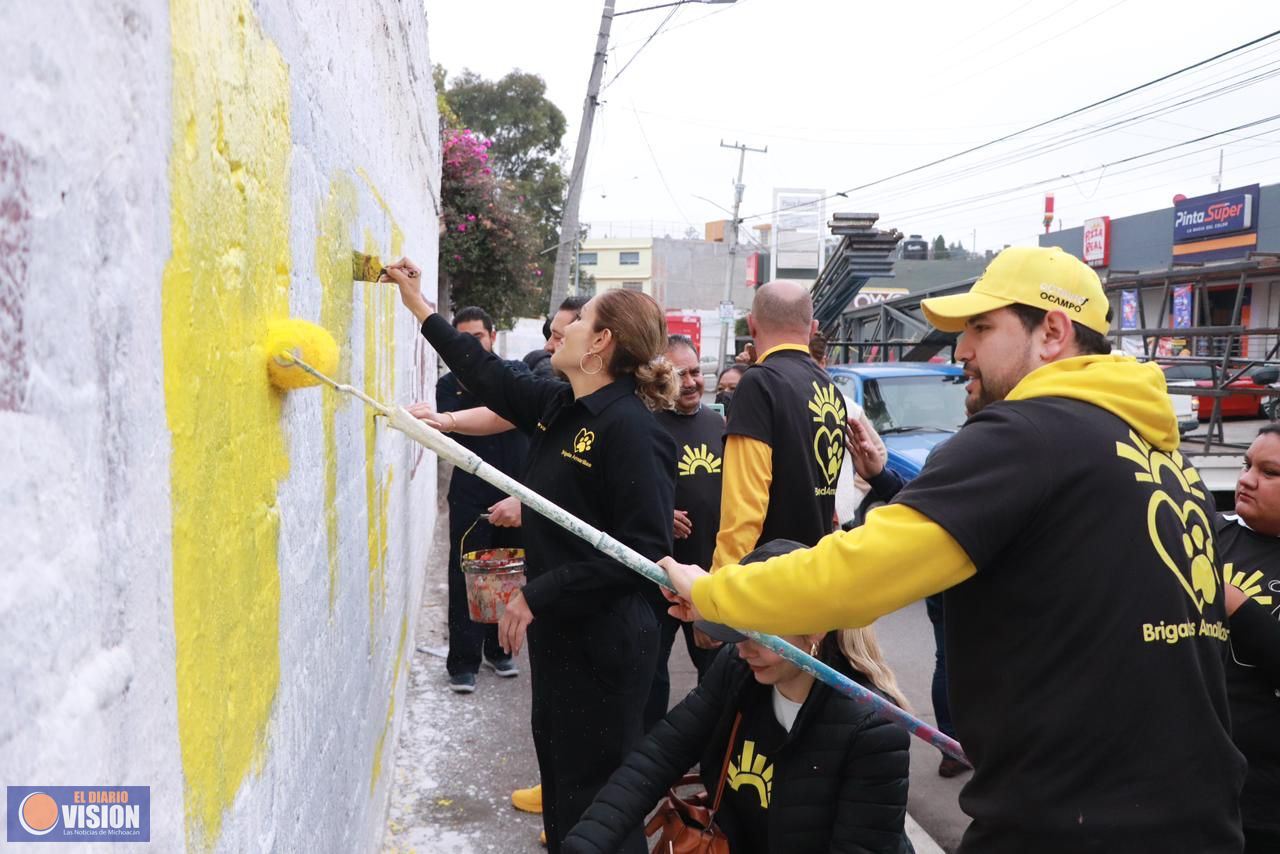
(1104,629)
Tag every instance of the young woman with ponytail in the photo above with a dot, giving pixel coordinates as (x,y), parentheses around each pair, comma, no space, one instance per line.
(597,451)
(809,771)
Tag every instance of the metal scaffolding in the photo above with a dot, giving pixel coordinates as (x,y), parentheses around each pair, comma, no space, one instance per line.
(897,330)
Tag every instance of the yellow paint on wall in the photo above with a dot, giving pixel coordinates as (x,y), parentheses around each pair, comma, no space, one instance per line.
(391,706)
(379,380)
(337,301)
(227,278)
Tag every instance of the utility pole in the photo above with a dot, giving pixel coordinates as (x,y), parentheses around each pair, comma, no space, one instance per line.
(569,220)
(1219,170)
(731,237)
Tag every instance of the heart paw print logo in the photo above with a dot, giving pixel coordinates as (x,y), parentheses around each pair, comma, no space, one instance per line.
(828,439)
(1177,522)
(582,442)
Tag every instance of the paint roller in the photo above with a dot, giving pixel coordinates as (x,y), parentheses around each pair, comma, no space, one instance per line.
(302,354)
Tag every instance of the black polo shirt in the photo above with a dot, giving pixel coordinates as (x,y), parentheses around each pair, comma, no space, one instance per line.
(788,402)
(1085,659)
(1251,561)
(504,451)
(699,442)
(603,458)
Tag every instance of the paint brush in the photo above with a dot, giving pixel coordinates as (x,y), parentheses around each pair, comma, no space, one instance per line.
(369,268)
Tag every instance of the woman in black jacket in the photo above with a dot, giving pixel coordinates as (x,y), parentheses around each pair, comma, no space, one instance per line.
(810,773)
(597,451)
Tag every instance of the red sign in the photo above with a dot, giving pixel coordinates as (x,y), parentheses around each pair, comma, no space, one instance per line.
(1097,241)
(753,269)
(686,324)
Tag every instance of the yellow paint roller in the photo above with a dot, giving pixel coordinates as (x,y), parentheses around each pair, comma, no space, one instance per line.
(291,340)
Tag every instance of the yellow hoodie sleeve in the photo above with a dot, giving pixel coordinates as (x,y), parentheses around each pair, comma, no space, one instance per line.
(847,580)
(744,498)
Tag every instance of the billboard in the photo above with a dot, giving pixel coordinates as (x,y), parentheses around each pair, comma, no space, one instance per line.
(1097,241)
(1216,226)
(797,234)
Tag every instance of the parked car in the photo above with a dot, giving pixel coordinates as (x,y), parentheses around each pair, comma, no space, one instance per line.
(914,406)
(1204,376)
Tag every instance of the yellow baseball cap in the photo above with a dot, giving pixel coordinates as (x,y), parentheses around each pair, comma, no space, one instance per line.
(1040,277)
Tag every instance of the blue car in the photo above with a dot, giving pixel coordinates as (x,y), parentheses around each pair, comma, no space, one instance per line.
(914,406)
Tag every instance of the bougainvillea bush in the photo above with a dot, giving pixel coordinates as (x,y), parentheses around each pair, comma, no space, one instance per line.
(488,252)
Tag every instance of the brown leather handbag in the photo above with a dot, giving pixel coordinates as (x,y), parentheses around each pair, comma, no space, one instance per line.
(688,824)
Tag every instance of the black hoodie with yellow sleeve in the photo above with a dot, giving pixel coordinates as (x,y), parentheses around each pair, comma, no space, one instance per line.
(1086,633)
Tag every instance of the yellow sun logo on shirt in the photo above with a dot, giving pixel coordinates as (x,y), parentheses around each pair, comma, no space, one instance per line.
(827,407)
(698,459)
(754,770)
(1251,586)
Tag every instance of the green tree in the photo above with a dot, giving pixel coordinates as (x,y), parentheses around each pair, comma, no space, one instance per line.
(940,248)
(526,130)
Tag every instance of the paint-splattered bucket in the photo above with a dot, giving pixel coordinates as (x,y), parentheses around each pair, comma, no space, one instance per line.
(492,576)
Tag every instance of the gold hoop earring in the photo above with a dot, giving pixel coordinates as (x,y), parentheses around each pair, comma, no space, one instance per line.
(813,650)
(582,366)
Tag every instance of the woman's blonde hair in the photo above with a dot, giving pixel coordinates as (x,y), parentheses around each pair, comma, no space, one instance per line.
(639,344)
(862,650)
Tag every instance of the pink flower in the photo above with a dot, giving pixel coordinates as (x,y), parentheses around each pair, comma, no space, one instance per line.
(457,257)
(471,217)
(537,272)
(462,227)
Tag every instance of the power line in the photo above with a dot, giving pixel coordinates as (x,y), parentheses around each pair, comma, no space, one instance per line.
(652,36)
(1035,126)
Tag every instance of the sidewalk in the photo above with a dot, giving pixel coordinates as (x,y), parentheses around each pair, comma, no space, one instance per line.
(460,756)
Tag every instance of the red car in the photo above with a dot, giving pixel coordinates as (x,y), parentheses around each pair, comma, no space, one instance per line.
(1243,405)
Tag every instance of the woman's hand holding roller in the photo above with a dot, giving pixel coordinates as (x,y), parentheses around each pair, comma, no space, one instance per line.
(514,624)
(682,577)
(408,278)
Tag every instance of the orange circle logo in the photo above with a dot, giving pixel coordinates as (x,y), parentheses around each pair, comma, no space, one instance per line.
(38,813)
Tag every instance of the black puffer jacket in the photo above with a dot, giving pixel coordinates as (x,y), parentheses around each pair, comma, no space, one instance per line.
(839,784)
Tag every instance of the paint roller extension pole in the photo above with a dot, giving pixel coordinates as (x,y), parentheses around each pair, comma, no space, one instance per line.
(434,440)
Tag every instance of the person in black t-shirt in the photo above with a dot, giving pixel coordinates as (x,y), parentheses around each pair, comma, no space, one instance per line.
(1249,541)
(699,436)
(785,442)
(469,497)
(1086,633)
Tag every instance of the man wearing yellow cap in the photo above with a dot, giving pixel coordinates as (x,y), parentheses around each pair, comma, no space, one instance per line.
(1085,629)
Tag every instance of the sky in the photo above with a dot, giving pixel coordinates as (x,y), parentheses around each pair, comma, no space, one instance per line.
(844,94)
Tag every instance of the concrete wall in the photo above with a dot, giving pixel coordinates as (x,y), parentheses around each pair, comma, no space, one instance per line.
(689,274)
(209,587)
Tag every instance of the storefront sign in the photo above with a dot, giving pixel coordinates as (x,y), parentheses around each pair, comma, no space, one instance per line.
(1216,227)
(873,296)
(1228,212)
(1097,241)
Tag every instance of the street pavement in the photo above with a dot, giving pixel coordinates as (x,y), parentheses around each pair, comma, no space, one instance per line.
(459,756)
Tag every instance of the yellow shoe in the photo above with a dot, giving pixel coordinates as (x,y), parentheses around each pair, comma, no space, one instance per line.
(528,800)
(542,837)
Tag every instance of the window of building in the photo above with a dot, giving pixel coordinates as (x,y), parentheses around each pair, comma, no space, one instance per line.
(587,259)
(633,286)
(627,259)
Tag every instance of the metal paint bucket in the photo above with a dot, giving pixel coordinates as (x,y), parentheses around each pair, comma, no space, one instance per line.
(492,576)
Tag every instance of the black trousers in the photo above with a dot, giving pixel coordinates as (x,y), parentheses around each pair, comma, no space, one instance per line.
(467,640)
(591,677)
(655,708)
